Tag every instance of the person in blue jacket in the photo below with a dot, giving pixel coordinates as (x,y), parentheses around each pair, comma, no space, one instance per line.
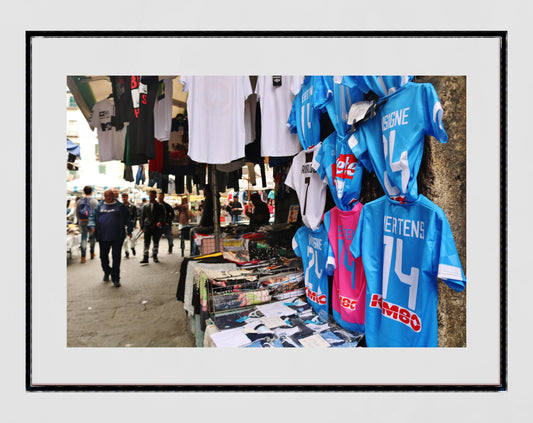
(110,221)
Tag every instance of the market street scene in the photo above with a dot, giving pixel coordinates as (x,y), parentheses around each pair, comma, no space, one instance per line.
(266,211)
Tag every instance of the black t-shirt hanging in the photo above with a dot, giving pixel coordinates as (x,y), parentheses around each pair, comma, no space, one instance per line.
(143,92)
(122,100)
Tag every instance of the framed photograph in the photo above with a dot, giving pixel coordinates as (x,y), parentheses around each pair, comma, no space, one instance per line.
(475,59)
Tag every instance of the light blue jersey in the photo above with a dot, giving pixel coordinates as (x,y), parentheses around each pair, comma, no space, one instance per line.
(405,248)
(394,139)
(344,173)
(381,85)
(304,118)
(312,247)
(337,97)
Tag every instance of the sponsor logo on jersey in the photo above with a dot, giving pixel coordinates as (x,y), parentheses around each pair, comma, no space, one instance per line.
(348,303)
(396,312)
(344,166)
(315,297)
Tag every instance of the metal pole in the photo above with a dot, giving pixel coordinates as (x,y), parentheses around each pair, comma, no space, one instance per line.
(216,218)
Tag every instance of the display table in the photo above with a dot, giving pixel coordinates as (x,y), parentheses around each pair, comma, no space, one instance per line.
(281,324)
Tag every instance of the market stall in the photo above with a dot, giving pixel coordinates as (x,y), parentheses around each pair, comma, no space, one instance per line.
(356,247)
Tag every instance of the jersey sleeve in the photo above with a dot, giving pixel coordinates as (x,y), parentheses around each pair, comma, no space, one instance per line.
(357,241)
(322,91)
(317,162)
(351,82)
(434,113)
(291,122)
(289,179)
(330,261)
(357,143)
(450,269)
(296,244)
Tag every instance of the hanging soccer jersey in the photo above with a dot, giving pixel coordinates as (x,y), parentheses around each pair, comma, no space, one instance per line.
(312,247)
(337,98)
(309,186)
(304,118)
(110,140)
(349,283)
(394,138)
(336,162)
(276,102)
(382,85)
(215,107)
(405,248)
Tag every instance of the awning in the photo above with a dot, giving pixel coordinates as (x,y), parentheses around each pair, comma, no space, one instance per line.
(73,148)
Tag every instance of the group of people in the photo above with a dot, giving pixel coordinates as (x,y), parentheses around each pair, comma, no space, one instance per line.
(111,223)
(257,210)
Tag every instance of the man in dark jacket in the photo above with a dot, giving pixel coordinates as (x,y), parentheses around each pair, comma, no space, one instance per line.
(110,221)
(152,220)
(169,218)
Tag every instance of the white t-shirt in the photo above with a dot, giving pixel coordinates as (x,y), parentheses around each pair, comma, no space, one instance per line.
(249,118)
(215,107)
(163,110)
(276,104)
(309,186)
(110,141)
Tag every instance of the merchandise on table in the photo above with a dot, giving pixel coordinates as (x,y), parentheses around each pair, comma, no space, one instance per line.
(280,324)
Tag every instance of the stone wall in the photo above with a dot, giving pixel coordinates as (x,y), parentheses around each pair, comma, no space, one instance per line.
(442,179)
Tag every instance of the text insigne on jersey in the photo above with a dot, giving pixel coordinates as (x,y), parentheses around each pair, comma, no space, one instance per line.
(396,118)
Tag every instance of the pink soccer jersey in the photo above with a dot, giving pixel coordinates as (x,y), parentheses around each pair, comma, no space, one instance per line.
(349,282)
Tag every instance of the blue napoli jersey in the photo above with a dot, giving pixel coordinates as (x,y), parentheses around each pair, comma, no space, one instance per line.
(393,141)
(405,248)
(382,85)
(304,118)
(337,98)
(312,247)
(344,172)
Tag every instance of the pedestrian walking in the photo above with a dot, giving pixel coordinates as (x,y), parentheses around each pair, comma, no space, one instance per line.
(166,229)
(183,213)
(152,220)
(84,208)
(110,222)
(129,242)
